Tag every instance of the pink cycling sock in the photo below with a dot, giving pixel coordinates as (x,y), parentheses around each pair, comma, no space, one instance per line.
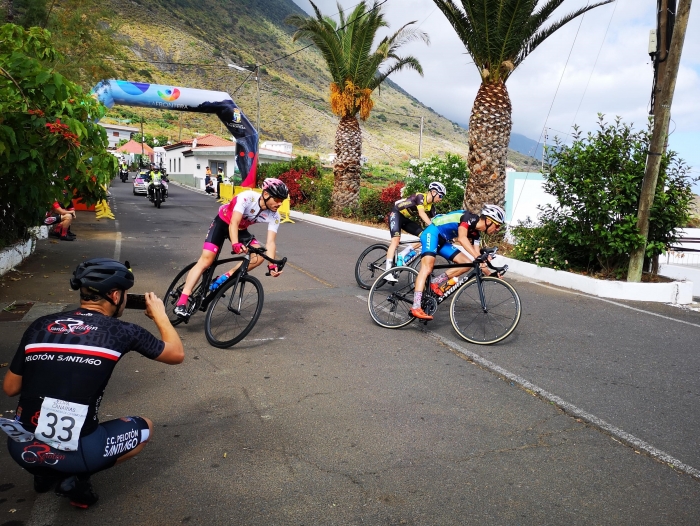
(183,299)
(417,298)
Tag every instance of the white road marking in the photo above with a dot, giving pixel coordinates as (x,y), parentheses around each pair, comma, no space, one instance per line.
(616,303)
(264,339)
(616,432)
(118,246)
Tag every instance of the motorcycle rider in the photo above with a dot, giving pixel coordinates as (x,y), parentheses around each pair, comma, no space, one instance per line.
(123,169)
(155,175)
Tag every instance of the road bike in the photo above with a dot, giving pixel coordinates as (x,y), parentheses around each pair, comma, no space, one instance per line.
(232,309)
(372,262)
(484,310)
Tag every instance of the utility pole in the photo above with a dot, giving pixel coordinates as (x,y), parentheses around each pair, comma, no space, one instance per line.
(257,78)
(420,140)
(662,115)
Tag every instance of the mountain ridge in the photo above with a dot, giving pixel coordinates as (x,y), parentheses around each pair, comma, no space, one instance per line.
(160,36)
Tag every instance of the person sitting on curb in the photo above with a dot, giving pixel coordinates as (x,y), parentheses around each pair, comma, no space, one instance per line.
(209,185)
(61,369)
(61,219)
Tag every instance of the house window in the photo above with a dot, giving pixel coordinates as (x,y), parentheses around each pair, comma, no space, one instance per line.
(179,165)
(170,165)
(115,134)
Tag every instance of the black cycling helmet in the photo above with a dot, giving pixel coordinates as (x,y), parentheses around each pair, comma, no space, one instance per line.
(101,275)
(275,188)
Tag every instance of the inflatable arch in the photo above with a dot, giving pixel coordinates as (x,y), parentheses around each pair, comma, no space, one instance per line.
(111,92)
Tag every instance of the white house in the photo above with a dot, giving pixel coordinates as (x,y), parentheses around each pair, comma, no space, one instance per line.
(186,161)
(116,133)
(277,146)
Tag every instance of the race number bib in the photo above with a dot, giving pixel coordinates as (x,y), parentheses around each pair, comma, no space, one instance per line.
(60,423)
(15,430)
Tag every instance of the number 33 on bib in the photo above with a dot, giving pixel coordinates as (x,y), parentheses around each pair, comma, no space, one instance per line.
(60,423)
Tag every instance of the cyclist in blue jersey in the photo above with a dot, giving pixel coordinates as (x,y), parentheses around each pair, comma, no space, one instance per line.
(437,238)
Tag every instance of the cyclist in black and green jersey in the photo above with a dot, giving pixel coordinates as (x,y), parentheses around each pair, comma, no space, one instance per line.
(405,216)
(437,238)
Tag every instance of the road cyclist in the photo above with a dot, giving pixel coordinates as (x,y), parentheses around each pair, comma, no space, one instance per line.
(437,239)
(232,222)
(61,369)
(405,215)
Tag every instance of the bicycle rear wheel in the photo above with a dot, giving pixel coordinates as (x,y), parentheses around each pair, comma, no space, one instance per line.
(234,311)
(175,291)
(390,303)
(370,264)
(490,325)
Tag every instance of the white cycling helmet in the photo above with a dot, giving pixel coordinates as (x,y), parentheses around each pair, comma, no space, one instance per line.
(438,187)
(495,213)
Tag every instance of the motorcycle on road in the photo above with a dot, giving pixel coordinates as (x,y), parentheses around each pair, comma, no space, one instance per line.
(159,191)
(124,175)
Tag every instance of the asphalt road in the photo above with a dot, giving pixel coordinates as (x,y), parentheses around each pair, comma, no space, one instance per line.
(321,417)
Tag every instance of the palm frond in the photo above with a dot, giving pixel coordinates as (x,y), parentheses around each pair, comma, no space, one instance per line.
(540,36)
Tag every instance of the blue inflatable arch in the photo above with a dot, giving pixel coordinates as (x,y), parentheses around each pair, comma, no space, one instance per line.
(111,92)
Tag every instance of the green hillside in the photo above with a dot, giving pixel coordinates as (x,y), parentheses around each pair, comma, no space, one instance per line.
(189,43)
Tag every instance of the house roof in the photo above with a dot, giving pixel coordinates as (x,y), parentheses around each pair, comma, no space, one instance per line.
(205,140)
(135,147)
(118,127)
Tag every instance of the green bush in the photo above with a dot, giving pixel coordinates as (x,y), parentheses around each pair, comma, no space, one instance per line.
(370,207)
(597,182)
(450,170)
(320,191)
(539,244)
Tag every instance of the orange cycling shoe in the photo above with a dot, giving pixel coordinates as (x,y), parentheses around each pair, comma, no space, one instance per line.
(436,289)
(418,313)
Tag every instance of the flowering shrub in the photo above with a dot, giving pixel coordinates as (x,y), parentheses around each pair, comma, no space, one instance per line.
(293,179)
(450,170)
(391,194)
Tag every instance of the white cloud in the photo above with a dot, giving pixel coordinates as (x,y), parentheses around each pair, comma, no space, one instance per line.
(620,84)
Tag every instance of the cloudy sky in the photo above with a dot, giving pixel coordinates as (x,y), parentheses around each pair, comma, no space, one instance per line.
(608,71)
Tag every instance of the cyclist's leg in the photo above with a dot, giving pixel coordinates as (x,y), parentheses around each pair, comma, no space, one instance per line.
(395,232)
(244,236)
(453,254)
(217,234)
(430,240)
(413,228)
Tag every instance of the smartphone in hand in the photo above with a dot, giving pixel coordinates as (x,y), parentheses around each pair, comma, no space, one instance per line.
(136,301)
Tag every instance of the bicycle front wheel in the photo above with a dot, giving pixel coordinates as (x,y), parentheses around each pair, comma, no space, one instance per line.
(389,302)
(234,311)
(175,291)
(492,324)
(370,264)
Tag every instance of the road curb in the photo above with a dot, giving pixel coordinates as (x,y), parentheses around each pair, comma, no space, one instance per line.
(15,254)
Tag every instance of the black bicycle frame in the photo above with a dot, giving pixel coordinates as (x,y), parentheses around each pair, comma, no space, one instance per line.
(241,271)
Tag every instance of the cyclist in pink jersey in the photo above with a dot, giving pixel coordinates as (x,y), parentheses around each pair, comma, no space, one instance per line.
(232,222)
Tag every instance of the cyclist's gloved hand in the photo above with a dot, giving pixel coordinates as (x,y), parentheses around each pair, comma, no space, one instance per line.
(238,248)
(272,270)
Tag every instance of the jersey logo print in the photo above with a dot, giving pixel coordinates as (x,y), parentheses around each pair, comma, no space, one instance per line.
(70,326)
(62,349)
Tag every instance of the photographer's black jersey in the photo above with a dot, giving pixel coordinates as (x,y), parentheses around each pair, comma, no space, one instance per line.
(70,356)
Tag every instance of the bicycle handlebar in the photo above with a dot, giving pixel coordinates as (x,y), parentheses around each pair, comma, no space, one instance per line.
(483,258)
(261,252)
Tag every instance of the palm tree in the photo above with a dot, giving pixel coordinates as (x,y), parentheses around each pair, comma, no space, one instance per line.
(346,46)
(498,34)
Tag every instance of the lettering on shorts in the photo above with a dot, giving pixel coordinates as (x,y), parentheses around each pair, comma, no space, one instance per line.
(121,443)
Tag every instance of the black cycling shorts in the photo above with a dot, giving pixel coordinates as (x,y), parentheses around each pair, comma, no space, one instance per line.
(97,451)
(398,221)
(218,233)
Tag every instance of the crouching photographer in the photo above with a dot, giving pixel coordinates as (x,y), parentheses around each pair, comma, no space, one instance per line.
(61,369)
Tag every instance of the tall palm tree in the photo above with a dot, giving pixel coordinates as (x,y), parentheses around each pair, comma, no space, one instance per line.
(346,46)
(498,34)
